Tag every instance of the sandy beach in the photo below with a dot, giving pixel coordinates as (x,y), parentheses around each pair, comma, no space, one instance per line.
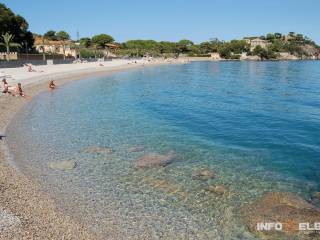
(26,212)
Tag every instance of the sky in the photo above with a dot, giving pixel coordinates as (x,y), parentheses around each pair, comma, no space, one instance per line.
(171,20)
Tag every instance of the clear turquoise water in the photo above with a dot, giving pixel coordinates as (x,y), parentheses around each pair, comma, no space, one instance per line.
(257,124)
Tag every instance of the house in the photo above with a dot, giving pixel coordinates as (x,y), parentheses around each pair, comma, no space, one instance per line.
(54,47)
(111,50)
(256,41)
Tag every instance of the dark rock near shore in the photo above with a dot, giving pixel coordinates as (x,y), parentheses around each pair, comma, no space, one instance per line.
(150,160)
(285,208)
(203,175)
(97,150)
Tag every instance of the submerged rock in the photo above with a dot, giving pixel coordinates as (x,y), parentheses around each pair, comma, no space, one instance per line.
(218,189)
(166,186)
(63,165)
(203,175)
(97,150)
(150,160)
(285,208)
(135,149)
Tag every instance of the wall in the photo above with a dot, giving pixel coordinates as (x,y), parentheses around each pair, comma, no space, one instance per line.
(12,56)
(20,63)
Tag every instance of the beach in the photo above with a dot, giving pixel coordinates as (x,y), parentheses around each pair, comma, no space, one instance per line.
(26,211)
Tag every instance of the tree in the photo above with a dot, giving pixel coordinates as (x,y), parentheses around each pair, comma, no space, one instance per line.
(63,37)
(15,25)
(238,46)
(168,47)
(87,53)
(51,35)
(260,51)
(291,34)
(85,42)
(186,42)
(299,38)
(101,40)
(225,50)
(270,36)
(207,47)
(7,42)
(145,47)
(278,35)
(277,46)
(184,45)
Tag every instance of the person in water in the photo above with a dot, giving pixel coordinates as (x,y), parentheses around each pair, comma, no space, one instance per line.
(19,91)
(52,85)
(5,87)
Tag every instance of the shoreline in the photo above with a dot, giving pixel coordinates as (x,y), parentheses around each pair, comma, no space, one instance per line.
(30,213)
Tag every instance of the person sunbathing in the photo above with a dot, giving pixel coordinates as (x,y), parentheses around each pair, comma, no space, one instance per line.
(29,68)
(5,87)
(52,85)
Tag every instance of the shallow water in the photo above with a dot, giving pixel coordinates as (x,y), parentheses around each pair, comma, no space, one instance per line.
(256,124)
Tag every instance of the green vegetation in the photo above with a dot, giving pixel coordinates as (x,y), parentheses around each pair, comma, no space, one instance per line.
(100,41)
(16,26)
(295,44)
(51,35)
(153,48)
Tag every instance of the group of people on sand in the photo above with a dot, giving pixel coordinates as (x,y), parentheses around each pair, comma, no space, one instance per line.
(17,91)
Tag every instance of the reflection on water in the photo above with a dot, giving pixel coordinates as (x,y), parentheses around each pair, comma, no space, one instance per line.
(254,124)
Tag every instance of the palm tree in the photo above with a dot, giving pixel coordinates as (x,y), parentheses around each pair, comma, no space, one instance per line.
(43,39)
(7,42)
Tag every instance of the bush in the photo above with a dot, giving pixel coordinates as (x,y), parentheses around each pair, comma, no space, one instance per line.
(198,55)
(87,53)
(235,56)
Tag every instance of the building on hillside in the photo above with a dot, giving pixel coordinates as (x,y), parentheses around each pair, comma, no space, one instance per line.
(54,47)
(256,41)
(111,50)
